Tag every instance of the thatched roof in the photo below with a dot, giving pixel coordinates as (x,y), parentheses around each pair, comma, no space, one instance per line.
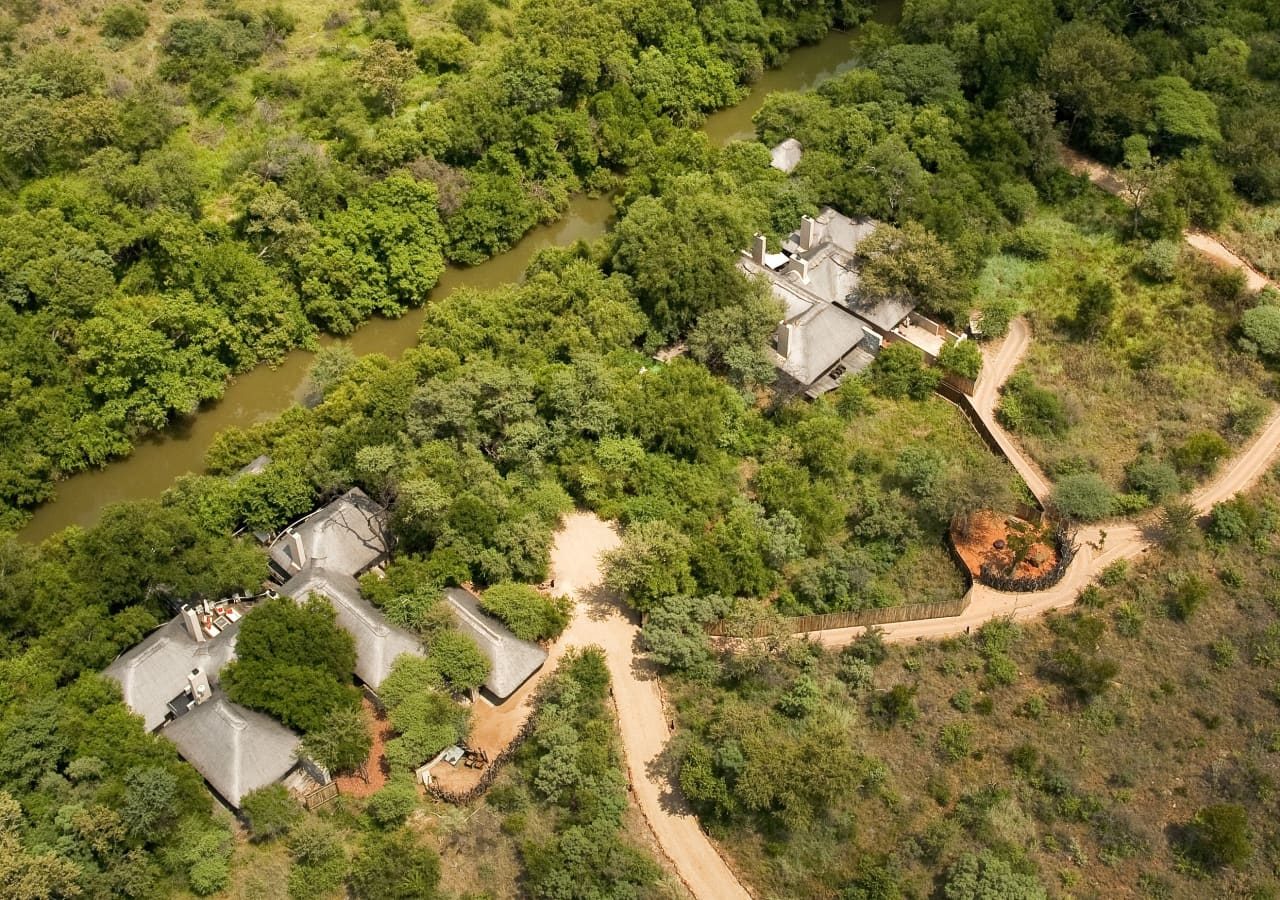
(511,660)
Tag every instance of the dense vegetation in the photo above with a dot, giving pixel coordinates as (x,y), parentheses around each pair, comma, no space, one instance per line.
(1126,747)
(167,221)
(171,218)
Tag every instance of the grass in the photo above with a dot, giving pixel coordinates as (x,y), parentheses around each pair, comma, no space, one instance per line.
(1093,794)
(1164,367)
(1254,233)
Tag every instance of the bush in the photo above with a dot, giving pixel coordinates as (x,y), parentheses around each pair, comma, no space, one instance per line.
(459,661)
(1084,497)
(395,865)
(1219,836)
(1160,259)
(962,358)
(1232,520)
(471,17)
(529,615)
(1154,479)
(390,806)
(899,372)
(1261,327)
(270,812)
(123,21)
(1187,597)
(955,741)
(896,705)
(1028,408)
(986,876)
(1200,453)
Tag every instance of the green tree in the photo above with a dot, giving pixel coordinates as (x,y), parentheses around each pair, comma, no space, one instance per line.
(123,21)
(986,876)
(1261,327)
(900,372)
(395,866)
(1220,836)
(342,743)
(391,805)
(962,358)
(294,662)
(271,812)
(679,250)
(1083,496)
(911,261)
(651,563)
(471,17)
(458,660)
(529,614)
(384,71)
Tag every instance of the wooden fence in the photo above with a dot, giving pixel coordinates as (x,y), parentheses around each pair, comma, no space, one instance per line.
(320,796)
(827,621)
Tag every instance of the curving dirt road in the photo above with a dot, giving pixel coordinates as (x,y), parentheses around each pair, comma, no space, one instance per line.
(599,619)
(997,365)
(1210,246)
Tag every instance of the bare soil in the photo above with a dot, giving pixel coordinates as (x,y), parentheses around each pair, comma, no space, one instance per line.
(376,765)
(978,547)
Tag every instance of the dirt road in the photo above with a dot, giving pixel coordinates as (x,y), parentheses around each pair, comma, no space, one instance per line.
(599,619)
(1210,246)
(997,365)
(1123,540)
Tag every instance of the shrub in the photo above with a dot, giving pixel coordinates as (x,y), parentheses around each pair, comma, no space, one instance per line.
(986,876)
(1200,453)
(962,358)
(1187,597)
(802,700)
(956,741)
(270,812)
(896,705)
(1232,520)
(395,865)
(1219,836)
(342,743)
(1177,525)
(1029,242)
(528,614)
(1159,260)
(899,373)
(1028,408)
(123,21)
(471,17)
(1154,479)
(1261,327)
(1084,497)
(390,806)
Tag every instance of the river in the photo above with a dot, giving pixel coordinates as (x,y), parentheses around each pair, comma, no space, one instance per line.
(267,391)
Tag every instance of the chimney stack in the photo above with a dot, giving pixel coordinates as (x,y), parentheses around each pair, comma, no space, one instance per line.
(783,337)
(757,249)
(192,621)
(198,686)
(808,232)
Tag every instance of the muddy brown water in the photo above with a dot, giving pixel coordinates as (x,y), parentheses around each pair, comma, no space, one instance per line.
(158,459)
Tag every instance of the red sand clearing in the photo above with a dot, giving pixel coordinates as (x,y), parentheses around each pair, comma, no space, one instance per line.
(977,547)
(376,765)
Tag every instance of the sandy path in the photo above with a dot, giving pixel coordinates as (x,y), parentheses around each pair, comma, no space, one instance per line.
(1124,540)
(599,619)
(1210,246)
(997,365)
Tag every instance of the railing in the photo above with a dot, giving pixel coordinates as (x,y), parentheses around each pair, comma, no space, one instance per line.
(883,615)
(326,793)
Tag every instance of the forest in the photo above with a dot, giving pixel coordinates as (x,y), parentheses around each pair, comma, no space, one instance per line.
(190,190)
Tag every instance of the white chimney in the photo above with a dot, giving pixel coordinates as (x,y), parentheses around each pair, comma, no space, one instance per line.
(198,686)
(192,621)
(783,337)
(757,249)
(808,232)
